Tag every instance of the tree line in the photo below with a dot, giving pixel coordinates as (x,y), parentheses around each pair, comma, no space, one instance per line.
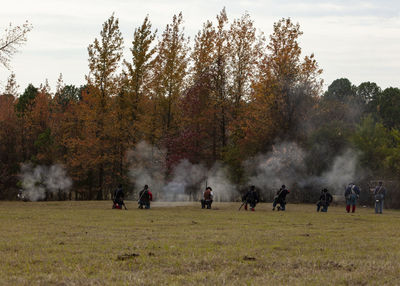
(225,96)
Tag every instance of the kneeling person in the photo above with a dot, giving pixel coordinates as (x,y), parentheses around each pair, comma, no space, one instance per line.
(118,200)
(207,198)
(324,201)
(145,196)
(280,198)
(251,198)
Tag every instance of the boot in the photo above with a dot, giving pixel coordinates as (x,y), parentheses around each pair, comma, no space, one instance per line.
(348,208)
(245,207)
(354,209)
(252,209)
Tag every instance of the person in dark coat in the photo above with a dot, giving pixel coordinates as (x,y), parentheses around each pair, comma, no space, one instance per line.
(324,201)
(119,195)
(251,198)
(145,197)
(351,194)
(280,199)
(207,199)
(379,194)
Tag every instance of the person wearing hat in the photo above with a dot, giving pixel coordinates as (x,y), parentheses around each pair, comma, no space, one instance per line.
(280,198)
(145,197)
(324,201)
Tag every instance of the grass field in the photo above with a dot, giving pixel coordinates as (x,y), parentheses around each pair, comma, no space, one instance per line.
(88,243)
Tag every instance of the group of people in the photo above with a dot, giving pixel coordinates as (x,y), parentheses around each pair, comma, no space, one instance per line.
(251,198)
(352,193)
(145,197)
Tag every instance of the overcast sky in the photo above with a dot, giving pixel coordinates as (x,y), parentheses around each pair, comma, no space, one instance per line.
(356,39)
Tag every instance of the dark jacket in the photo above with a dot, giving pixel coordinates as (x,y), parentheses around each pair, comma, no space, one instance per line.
(251,197)
(352,190)
(380,193)
(281,195)
(119,194)
(326,198)
(145,196)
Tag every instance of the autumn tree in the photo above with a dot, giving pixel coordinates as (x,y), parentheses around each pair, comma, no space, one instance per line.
(170,71)
(138,75)
(206,123)
(103,82)
(9,143)
(244,53)
(202,55)
(285,90)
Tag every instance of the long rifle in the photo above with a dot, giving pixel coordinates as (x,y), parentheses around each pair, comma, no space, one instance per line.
(244,202)
(140,198)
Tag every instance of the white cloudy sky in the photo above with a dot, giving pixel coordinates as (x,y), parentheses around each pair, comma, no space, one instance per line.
(356,39)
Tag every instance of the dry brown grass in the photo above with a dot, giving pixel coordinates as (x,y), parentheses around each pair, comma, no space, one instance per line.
(87,243)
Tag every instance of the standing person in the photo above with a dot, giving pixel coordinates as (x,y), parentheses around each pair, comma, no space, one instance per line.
(251,198)
(207,199)
(351,194)
(118,201)
(280,198)
(324,201)
(379,193)
(145,197)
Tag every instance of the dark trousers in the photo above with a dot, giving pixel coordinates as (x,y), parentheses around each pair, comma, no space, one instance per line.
(145,204)
(323,205)
(281,203)
(206,203)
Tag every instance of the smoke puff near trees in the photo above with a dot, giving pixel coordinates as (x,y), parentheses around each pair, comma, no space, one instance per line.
(186,182)
(37,181)
(286,164)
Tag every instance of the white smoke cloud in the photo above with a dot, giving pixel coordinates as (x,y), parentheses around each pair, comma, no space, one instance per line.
(283,165)
(187,181)
(147,167)
(286,165)
(223,189)
(344,170)
(36,181)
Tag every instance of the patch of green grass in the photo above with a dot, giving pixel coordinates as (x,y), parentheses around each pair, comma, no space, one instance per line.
(88,243)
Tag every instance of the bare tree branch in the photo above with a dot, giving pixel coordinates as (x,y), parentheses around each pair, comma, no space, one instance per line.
(13,38)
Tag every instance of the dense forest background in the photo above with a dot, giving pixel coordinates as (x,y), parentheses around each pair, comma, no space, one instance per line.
(226,97)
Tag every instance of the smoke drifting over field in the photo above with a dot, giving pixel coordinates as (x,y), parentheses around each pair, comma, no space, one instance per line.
(285,164)
(187,181)
(36,181)
(344,170)
(147,167)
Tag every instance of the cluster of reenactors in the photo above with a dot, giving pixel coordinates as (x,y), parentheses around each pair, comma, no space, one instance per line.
(145,197)
(251,198)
